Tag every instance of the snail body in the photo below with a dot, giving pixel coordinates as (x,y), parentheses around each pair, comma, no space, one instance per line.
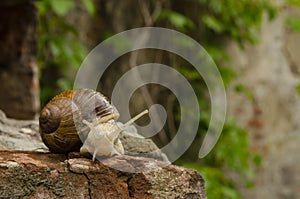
(103,139)
(84,120)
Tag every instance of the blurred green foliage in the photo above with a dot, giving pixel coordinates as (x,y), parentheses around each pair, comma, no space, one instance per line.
(180,22)
(216,183)
(293,22)
(60,50)
(238,19)
(298,88)
(240,88)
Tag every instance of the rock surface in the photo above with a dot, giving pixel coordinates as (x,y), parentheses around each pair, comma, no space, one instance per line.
(19,134)
(26,174)
(33,174)
(24,135)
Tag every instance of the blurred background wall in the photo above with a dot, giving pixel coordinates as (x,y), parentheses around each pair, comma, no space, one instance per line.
(271,71)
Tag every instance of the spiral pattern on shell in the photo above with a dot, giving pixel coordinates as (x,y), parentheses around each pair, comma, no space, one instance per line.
(61,119)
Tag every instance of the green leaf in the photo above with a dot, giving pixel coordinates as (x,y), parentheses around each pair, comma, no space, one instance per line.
(43,7)
(191,74)
(90,6)
(257,159)
(246,91)
(55,49)
(62,7)
(293,23)
(213,23)
(298,88)
(293,2)
(228,74)
(64,84)
(180,21)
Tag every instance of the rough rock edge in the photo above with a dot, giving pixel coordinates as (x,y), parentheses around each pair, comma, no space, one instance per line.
(35,174)
(24,135)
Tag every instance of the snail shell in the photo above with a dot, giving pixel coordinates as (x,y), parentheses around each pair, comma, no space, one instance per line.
(60,122)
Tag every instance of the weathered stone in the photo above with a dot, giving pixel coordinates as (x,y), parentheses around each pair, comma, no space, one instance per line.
(19,134)
(140,146)
(24,135)
(45,175)
(25,174)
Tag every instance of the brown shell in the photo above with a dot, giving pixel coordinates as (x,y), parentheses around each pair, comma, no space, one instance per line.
(58,118)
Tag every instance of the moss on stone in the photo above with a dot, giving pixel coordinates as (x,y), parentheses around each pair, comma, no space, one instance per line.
(21,182)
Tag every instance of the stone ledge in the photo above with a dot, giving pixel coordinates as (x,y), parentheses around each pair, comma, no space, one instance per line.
(27,174)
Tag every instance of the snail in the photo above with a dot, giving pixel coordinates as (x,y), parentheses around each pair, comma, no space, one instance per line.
(82,120)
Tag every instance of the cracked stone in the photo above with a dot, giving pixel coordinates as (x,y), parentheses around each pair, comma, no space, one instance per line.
(46,175)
